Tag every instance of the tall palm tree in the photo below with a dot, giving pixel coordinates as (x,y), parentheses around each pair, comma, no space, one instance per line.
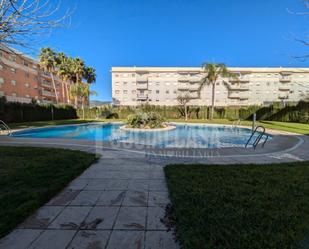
(84,93)
(213,72)
(48,64)
(63,74)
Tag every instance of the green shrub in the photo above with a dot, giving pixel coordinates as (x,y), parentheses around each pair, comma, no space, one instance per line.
(15,112)
(145,120)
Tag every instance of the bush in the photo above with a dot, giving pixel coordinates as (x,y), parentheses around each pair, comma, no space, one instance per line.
(15,112)
(145,120)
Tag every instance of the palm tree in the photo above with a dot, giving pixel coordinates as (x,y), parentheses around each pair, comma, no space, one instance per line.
(62,63)
(48,64)
(213,72)
(84,93)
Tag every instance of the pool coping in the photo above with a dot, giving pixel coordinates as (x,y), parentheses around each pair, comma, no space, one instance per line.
(281,142)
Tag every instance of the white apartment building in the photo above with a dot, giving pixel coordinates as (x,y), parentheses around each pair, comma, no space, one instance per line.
(132,86)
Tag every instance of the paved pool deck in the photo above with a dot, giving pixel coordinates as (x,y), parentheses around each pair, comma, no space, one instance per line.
(119,202)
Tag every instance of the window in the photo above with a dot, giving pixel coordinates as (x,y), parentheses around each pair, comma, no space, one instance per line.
(1,67)
(27,85)
(13,82)
(133,91)
(14,94)
(167,91)
(125,83)
(149,91)
(175,92)
(125,91)
(13,70)
(27,75)
(133,74)
(157,91)
(1,80)
(117,91)
(26,63)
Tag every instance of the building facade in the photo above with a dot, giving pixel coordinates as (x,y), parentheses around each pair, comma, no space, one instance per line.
(162,85)
(22,80)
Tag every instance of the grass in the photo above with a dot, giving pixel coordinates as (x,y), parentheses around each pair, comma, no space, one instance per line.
(241,206)
(31,176)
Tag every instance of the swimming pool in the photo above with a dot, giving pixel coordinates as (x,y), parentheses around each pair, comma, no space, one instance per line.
(184,136)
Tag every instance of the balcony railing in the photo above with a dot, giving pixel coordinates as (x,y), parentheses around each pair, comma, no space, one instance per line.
(142,97)
(284,88)
(285,79)
(239,79)
(47,93)
(143,86)
(183,79)
(141,79)
(239,88)
(283,96)
(46,84)
(183,88)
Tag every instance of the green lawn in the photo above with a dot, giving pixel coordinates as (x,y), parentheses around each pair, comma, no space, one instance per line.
(30,177)
(241,206)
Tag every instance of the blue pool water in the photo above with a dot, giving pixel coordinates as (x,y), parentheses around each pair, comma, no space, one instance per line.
(184,136)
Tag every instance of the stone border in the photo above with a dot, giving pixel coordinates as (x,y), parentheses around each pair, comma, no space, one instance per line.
(168,128)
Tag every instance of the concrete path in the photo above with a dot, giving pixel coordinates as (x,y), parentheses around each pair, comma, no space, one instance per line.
(117,203)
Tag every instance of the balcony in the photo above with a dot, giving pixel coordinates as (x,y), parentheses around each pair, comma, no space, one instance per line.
(284,88)
(48,94)
(183,88)
(142,97)
(238,87)
(195,80)
(141,79)
(243,96)
(233,95)
(46,84)
(143,86)
(239,79)
(285,79)
(283,96)
(183,79)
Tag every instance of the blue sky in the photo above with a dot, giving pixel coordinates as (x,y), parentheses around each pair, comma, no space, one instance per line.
(108,33)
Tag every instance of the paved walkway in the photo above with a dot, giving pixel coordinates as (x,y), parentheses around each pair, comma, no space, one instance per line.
(117,203)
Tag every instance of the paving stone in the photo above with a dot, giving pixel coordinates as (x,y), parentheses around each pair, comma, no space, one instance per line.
(136,198)
(90,240)
(70,218)
(52,239)
(138,185)
(154,217)
(159,185)
(107,184)
(100,218)
(126,240)
(86,198)
(42,218)
(160,240)
(158,198)
(78,184)
(19,239)
(64,198)
(157,174)
(131,218)
(111,198)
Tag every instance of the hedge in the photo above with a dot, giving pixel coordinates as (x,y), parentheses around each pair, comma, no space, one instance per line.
(15,112)
(289,112)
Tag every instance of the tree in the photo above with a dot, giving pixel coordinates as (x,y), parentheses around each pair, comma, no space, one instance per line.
(183,100)
(212,73)
(22,22)
(85,93)
(48,64)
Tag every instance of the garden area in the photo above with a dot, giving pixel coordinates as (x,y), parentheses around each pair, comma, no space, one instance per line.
(30,177)
(240,206)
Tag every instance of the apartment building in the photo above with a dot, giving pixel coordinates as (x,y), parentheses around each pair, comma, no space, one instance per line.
(22,80)
(162,85)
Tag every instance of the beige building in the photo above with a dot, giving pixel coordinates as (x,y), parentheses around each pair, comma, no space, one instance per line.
(162,85)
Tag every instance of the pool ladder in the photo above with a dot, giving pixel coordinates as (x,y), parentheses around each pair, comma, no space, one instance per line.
(258,138)
(5,127)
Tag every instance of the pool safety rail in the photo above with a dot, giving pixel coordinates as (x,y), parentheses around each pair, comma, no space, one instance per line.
(5,127)
(258,138)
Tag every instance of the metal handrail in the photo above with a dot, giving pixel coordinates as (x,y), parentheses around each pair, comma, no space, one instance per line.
(6,127)
(258,139)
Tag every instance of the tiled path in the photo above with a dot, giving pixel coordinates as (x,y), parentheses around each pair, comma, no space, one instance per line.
(117,203)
